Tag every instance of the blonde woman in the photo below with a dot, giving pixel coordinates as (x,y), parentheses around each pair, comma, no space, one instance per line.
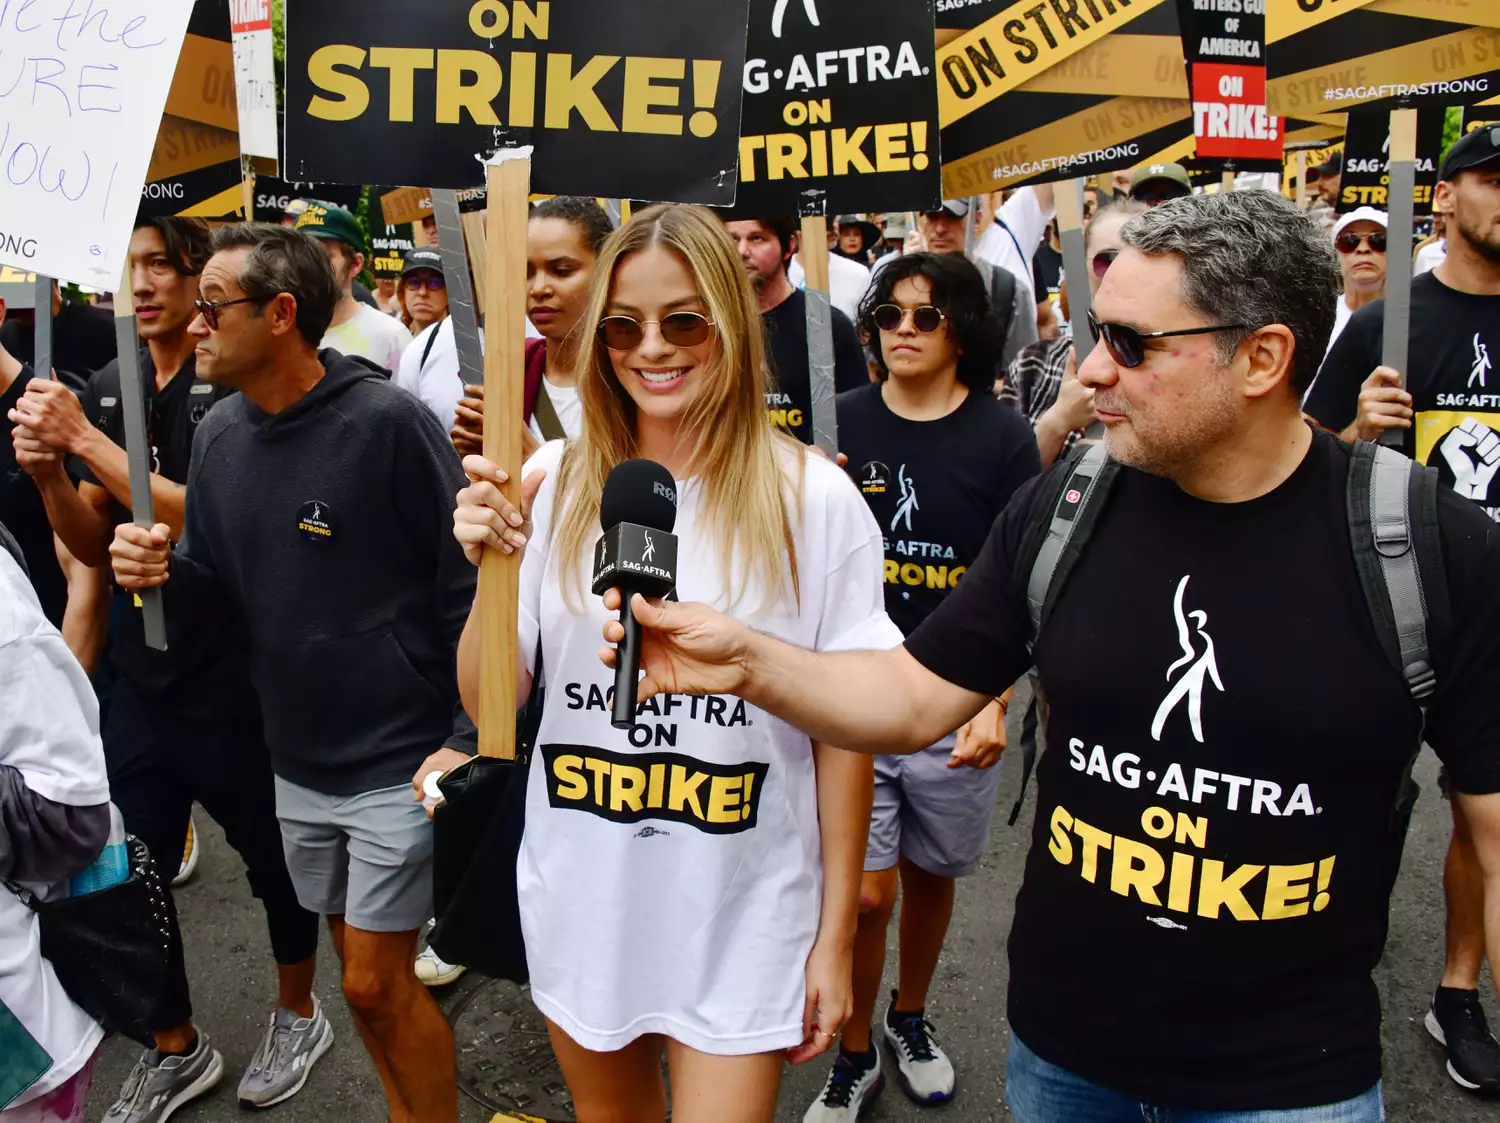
(689,886)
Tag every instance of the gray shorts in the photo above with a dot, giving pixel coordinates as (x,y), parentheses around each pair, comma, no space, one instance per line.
(366,857)
(935,816)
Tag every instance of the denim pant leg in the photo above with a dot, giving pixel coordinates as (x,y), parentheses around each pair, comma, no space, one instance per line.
(1040,1092)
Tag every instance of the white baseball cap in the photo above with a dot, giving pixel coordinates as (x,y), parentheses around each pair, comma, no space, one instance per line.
(1359,214)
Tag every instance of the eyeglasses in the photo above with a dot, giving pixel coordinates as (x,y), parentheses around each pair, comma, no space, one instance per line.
(926,318)
(209,309)
(1127,346)
(1102,261)
(432,282)
(1349,241)
(680,329)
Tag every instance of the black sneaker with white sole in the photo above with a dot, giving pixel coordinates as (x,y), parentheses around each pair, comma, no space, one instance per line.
(1457,1022)
(849,1093)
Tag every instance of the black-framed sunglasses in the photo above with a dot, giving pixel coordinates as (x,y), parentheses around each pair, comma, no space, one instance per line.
(1127,346)
(209,309)
(680,329)
(1102,260)
(1348,241)
(925,318)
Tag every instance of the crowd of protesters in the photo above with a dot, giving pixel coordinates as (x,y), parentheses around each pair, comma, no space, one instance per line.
(859,627)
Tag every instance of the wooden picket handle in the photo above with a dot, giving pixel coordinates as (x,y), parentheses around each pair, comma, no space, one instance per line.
(509,182)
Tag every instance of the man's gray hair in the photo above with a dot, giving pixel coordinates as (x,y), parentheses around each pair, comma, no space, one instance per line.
(283,260)
(1249,257)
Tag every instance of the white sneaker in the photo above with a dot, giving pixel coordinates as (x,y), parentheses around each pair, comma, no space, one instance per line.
(189,862)
(849,1093)
(922,1068)
(433,971)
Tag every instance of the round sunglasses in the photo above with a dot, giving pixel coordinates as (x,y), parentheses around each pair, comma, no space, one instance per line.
(680,329)
(1102,261)
(926,318)
(1127,346)
(1348,241)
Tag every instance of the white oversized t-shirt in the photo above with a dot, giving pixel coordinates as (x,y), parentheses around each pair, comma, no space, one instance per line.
(671,874)
(49,732)
(372,335)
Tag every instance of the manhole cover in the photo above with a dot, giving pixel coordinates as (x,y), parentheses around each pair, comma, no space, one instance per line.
(505,1060)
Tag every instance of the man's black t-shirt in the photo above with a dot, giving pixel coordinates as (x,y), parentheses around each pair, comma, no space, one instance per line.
(1206,891)
(83,339)
(207,656)
(22,512)
(1455,388)
(935,488)
(789,394)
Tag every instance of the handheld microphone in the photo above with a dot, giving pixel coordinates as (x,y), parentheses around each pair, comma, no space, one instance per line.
(637,554)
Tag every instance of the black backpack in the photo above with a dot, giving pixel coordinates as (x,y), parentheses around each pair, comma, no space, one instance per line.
(1393,525)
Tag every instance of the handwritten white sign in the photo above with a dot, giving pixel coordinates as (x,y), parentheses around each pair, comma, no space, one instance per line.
(82,86)
(254,76)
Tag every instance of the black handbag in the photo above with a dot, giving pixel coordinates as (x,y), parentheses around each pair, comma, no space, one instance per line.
(109,949)
(476,838)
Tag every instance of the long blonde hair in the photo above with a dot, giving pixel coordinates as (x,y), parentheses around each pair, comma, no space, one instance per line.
(737,457)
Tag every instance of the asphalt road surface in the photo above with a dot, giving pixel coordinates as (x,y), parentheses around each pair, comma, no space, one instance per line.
(232,988)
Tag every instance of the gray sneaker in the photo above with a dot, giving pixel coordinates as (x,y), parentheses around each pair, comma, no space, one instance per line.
(285,1058)
(158,1085)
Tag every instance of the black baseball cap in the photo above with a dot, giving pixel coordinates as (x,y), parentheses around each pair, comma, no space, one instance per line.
(1334,165)
(422,259)
(1470,150)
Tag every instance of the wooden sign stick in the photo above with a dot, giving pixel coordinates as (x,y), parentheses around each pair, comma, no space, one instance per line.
(820,374)
(137,448)
(1401,203)
(1069,198)
(1226,180)
(509,182)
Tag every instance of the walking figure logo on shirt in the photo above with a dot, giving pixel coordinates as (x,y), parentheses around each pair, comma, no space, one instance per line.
(908,502)
(1481,365)
(779,12)
(1200,666)
(650,551)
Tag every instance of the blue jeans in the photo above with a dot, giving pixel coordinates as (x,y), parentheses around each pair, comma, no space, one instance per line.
(1039,1092)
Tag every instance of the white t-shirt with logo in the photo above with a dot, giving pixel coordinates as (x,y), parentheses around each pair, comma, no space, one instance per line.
(372,335)
(671,874)
(49,732)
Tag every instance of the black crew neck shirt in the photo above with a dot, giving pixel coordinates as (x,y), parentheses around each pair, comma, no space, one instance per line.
(789,392)
(83,339)
(207,656)
(23,514)
(1206,892)
(935,488)
(1451,376)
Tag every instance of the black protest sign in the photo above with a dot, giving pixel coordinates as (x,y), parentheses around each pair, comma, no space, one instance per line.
(1477,115)
(273,196)
(389,242)
(1365,181)
(622,100)
(195,164)
(828,109)
(1328,55)
(1030,92)
(1224,44)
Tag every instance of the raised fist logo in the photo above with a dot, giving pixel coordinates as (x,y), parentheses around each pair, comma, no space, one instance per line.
(1473,454)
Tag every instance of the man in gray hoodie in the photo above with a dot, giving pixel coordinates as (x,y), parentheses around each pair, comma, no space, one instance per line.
(320,503)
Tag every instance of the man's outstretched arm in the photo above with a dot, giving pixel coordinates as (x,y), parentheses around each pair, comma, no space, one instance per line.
(868,701)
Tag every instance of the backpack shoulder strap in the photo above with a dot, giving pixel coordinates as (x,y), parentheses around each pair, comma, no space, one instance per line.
(1062,529)
(1392,505)
(1003,295)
